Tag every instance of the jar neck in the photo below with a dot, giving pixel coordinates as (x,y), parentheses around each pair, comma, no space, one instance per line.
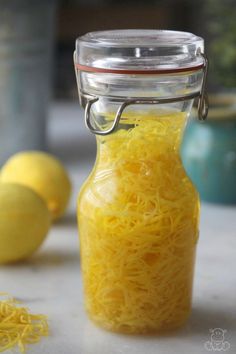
(133,86)
(142,138)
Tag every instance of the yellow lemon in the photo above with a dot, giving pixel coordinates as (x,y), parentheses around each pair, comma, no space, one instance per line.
(24,222)
(44,174)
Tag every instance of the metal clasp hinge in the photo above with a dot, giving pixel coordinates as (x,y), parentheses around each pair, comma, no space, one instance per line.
(203,104)
(90,100)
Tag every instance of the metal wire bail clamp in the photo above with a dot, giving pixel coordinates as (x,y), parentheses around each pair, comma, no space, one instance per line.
(87,100)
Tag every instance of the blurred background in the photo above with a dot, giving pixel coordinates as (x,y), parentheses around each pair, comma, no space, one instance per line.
(37,41)
(212,19)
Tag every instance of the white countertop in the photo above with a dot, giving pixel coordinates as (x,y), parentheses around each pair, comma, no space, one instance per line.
(50,282)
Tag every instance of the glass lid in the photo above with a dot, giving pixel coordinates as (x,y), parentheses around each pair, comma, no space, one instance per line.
(139,51)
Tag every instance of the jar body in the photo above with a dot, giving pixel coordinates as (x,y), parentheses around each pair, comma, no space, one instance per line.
(138,216)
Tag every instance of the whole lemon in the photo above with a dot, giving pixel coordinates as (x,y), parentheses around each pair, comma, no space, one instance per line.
(44,174)
(24,222)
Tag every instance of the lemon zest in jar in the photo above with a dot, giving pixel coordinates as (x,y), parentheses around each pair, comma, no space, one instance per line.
(138,223)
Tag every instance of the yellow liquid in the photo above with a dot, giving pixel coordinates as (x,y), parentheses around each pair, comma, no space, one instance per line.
(138,221)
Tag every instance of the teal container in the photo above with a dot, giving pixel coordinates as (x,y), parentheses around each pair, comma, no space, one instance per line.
(209,153)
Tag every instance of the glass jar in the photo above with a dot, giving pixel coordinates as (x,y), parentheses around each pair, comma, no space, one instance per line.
(138,212)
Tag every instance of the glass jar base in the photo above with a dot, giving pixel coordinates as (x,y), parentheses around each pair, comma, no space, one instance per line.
(158,329)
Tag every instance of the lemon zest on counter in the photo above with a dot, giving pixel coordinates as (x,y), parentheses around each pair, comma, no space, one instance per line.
(18,327)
